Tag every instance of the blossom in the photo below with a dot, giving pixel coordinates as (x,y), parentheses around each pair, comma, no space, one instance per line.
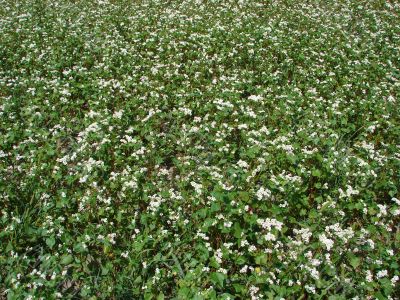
(328,243)
(263,193)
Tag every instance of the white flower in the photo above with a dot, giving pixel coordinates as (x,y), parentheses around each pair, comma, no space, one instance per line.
(118,114)
(369,277)
(304,233)
(243,164)
(349,192)
(263,193)
(328,243)
(252,248)
(186,111)
(394,280)
(270,237)
(218,256)
(197,187)
(382,210)
(371,243)
(223,271)
(310,289)
(269,223)
(255,98)
(227,224)
(244,269)
(382,273)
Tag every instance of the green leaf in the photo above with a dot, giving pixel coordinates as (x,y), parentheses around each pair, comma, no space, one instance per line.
(217,278)
(66,259)
(316,173)
(354,261)
(104,270)
(379,296)
(239,288)
(215,207)
(50,242)
(261,259)
(237,230)
(183,293)
(160,296)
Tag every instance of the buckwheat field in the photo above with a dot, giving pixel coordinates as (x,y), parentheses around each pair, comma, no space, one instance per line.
(199,149)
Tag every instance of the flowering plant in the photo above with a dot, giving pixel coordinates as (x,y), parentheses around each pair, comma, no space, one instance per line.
(199,149)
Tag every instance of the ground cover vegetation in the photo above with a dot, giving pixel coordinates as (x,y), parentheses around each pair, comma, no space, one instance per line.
(199,149)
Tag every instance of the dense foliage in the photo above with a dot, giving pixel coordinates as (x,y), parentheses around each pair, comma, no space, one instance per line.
(199,149)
